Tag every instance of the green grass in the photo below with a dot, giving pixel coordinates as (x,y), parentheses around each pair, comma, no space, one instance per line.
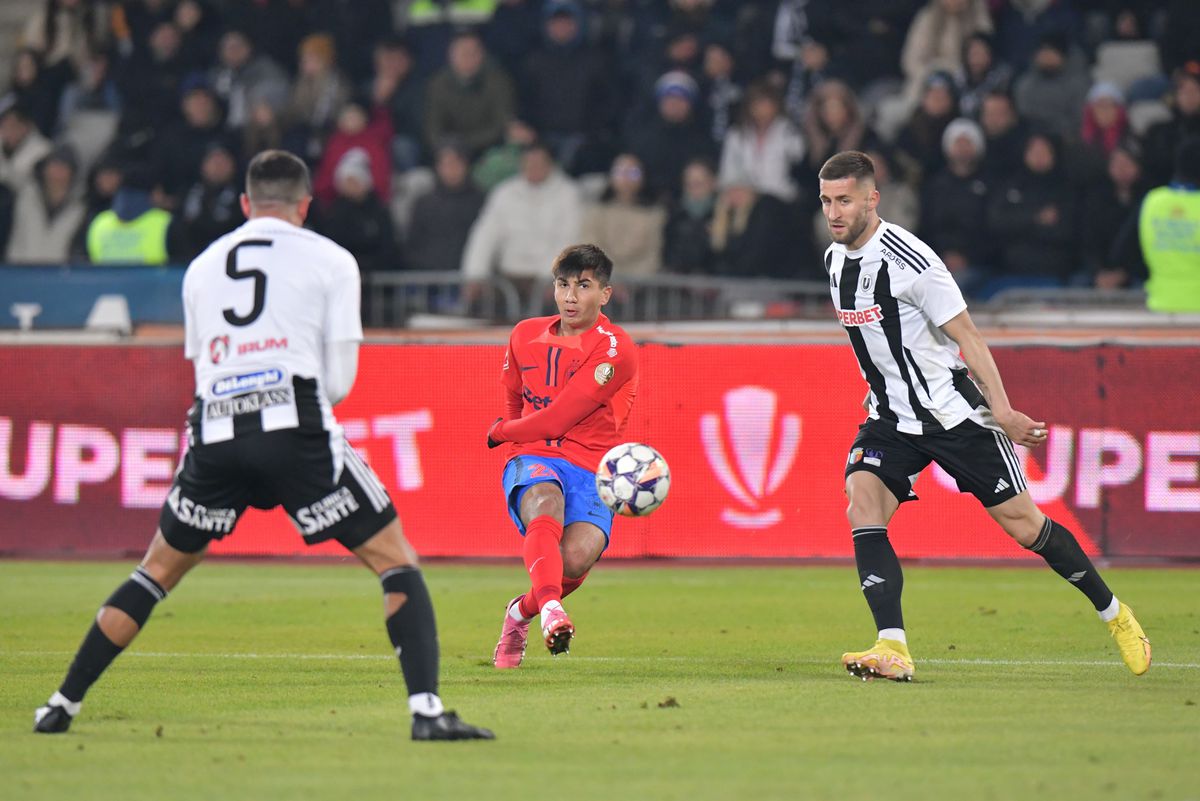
(276,681)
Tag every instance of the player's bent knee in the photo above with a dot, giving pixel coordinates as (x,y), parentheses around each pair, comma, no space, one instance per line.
(387,549)
(168,565)
(542,499)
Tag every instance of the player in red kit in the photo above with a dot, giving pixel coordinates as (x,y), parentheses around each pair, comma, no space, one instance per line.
(569,383)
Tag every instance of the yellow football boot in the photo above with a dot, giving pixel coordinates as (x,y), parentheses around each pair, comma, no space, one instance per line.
(886,659)
(1135,648)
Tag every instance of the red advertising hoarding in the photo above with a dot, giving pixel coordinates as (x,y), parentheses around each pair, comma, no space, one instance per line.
(756,436)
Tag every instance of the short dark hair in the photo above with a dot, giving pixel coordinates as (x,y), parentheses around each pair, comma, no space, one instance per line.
(276,176)
(573,260)
(848,164)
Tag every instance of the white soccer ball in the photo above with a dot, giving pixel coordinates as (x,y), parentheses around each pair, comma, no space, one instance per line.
(633,479)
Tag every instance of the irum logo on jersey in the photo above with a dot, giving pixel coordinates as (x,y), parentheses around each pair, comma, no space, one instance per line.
(218,349)
(755,430)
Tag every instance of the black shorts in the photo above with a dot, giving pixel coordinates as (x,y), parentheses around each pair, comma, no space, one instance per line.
(982,460)
(326,489)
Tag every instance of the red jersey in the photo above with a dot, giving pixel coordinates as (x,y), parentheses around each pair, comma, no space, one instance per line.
(539,365)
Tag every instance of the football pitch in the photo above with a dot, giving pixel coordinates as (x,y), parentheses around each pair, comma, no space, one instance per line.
(276,681)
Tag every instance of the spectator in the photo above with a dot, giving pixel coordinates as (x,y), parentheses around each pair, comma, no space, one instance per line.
(673,137)
(62,32)
(181,147)
(1105,122)
(688,236)
(242,78)
(627,224)
(442,218)
(318,94)
(841,27)
(796,40)
(277,27)
(356,219)
(1169,232)
(567,94)
(152,83)
(1022,25)
(48,213)
(22,146)
(1052,91)
(1107,207)
(209,208)
(832,122)
(751,235)
(93,90)
(1164,138)
(133,231)
(102,184)
(981,74)
(263,130)
(356,131)
(36,90)
(470,100)
(513,32)
(1004,133)
(1179,37)
(937,37)
(525,222)
(919,143)
(503,161)
(763,150)
(721,91)
(398,90)
(954,206)
(1032,216)
(200,30)
(356,25)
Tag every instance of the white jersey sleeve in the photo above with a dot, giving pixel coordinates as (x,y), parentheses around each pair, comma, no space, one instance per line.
(935,293)
(191,340)
(343,318)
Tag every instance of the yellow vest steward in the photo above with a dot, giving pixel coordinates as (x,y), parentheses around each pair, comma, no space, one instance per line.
(142,240)
(1169,231)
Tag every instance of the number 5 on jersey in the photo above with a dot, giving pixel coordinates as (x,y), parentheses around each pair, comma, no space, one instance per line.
(258,276)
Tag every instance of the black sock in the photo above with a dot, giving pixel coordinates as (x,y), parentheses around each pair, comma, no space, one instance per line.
(1061,551)
(136,598)
(413,630)
(880,574)
(92,658)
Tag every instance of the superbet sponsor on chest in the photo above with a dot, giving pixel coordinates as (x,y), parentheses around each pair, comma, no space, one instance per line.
(856,317)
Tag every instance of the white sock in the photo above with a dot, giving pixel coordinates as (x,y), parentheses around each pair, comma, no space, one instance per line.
(514,612)
(72,707)
(427,704)
(893,634)
(1111,612)
(548,607)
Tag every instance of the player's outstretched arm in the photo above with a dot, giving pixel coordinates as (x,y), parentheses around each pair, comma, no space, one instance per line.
(1020,428)
(552,422)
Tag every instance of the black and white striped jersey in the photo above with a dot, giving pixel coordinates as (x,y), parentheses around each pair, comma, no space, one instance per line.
(891,296)
(260,303)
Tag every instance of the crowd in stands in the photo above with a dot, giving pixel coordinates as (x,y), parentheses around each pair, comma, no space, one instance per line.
(1017,137)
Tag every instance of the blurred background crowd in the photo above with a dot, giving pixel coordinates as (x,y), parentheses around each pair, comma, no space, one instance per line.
(1017,137)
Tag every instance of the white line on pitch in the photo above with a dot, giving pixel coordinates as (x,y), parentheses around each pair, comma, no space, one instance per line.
(361,657)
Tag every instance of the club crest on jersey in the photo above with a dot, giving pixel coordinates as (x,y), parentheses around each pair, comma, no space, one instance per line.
(218,349)
(247,382)
(856,317)
(867,282)
(604,373)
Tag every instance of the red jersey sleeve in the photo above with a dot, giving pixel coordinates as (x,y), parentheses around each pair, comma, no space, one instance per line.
(510,379)
(612,364)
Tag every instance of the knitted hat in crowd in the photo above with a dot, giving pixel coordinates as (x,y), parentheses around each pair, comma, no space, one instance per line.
(964,127)
(676,83)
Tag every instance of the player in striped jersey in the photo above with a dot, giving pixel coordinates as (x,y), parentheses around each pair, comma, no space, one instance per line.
(915,342)
(271,323)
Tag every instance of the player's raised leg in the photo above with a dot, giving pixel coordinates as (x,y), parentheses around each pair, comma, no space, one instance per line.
(1032,529)
(119,620)
(871,506)
(408,612)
